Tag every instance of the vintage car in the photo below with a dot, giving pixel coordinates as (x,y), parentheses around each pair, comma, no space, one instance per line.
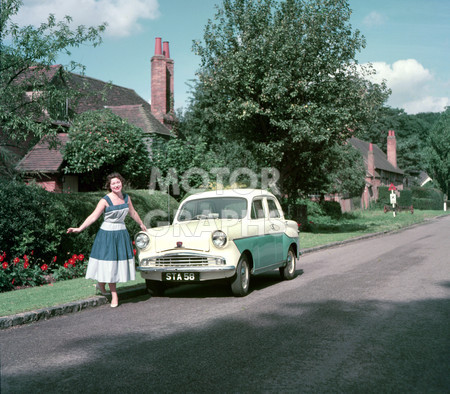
(219,235)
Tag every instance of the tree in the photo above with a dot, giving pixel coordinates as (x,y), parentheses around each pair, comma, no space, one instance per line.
(281,77)
(438,152)
(102,142)
(29,102)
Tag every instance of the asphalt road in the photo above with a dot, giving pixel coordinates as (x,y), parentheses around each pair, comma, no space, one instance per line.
(370,316)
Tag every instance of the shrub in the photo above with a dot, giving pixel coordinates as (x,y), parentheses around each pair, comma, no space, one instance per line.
(332,209)
(427,198)
(405,198)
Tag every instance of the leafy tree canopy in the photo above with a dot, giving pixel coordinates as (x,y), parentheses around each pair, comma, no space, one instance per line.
(29,102)
(438,152)
(281,78)
(102,142)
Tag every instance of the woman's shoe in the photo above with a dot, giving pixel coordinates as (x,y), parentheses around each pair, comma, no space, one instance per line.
(97,286)
(114,305)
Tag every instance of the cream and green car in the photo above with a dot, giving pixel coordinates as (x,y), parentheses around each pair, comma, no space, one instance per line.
(217,235)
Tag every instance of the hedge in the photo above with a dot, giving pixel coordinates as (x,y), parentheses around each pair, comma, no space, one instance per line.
(420,197)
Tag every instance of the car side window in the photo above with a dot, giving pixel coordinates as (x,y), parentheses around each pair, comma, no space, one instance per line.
(273,209)
(257,209)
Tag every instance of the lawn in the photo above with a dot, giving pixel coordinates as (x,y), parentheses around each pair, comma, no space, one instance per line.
(323,231)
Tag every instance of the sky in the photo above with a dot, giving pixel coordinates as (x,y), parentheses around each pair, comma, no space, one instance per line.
(408,43)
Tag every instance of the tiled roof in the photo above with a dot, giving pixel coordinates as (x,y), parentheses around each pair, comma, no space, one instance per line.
(141,117)
(122,101)
(47,73)
(380,158)
(43,159)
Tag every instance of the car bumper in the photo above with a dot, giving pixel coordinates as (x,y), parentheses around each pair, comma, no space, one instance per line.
(205,273)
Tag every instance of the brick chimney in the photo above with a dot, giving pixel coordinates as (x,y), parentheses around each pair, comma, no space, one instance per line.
(371,161)
(392,148)
(162,84)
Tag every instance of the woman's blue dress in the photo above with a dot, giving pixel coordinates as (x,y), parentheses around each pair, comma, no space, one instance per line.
(112,257)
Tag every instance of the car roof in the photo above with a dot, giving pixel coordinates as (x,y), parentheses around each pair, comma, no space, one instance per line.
(243,193)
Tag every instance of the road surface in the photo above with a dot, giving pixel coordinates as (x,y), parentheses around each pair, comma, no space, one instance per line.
(369,316)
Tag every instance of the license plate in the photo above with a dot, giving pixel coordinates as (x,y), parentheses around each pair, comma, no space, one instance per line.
(181,276)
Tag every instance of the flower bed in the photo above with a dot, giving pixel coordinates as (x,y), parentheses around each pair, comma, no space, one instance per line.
(30,270)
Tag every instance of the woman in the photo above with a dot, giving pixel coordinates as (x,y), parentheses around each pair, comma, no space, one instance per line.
(112,257)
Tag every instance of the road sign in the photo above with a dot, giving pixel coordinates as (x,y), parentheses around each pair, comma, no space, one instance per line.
(393,198)
(392,187)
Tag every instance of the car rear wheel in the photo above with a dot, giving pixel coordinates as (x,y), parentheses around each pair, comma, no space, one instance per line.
(241,281)
(155,288)
(288,272)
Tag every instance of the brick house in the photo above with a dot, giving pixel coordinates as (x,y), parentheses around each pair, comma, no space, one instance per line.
(381,170)
(44,164)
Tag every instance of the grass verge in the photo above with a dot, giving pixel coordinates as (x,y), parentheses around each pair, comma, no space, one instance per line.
(324,230)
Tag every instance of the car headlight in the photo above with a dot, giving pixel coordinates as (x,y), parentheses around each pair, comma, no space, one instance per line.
(219,238)
(142,240)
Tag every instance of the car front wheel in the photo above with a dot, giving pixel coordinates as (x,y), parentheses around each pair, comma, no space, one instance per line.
(241,281)
(288,272)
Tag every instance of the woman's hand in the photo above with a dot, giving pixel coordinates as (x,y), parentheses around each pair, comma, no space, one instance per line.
(73,230)
(143,228)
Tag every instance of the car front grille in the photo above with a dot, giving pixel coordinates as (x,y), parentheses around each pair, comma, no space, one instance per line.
(181,259)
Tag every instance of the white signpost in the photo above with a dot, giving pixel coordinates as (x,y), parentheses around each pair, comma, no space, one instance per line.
(393,196)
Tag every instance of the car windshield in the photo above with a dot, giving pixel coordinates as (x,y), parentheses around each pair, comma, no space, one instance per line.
(213,208)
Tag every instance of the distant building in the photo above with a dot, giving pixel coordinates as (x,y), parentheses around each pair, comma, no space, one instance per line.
(381,170)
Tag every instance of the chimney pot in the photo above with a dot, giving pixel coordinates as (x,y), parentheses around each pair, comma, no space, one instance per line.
(158,46)
(392,148)
(166,52)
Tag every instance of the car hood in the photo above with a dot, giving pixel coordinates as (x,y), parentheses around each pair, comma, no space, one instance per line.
(194,235)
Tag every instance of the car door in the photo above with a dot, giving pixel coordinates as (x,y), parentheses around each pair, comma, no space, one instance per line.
(275,228)
(261,244)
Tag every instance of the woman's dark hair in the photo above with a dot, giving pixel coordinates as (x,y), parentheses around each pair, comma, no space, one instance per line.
(110,177)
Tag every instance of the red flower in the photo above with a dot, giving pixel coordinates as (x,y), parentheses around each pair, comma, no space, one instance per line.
(54,259)
(72,261)
(66,265)
(5,265)
(80,257)
(44,267)
(1,258)
(32,252)
(26,265)
(16,260)
(74,256)
(14,279)
(134,252)
(25,257)
(134,243)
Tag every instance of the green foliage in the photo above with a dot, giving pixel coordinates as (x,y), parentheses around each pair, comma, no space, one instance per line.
(438,152)
(383,195)
(332,209)
(30,219)
(281,78)
(26,55)
(102,142)
(427,198)
(405,198)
